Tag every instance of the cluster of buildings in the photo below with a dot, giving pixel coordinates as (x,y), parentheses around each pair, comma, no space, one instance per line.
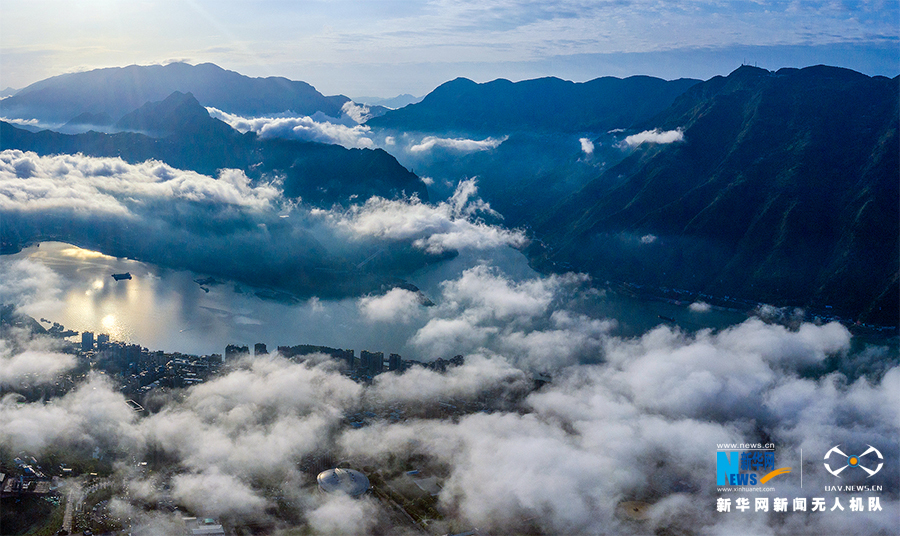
(28,480)
(142,370)
(365,367)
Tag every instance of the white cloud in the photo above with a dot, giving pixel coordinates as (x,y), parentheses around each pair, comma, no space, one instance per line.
(29,182)
(359,113)
(700,307)
(449,225)
(92,415)
(318,129)
(484,310)
(587,146)
(648,239)
(32,367)
(654,136)
(477,374)
(641,425)
(641,422)
(25,282)
(340,514)
(214,494)
(457,144)
(397,305)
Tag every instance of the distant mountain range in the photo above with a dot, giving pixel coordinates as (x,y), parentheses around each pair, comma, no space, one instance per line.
(191,139)
(393,103)
(543,104)
(120,90)
(784,190)
(779,187)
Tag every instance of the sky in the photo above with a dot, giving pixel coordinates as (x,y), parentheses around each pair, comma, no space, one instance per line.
(388,47)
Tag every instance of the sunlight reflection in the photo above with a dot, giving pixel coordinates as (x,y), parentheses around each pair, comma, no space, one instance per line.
(79,253)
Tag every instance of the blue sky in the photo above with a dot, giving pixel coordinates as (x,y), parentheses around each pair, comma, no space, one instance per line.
(382,48)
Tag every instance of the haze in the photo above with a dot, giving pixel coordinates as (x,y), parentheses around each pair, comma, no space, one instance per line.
(392,47)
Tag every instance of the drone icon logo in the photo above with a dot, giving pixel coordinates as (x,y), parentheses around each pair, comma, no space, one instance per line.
(854,461)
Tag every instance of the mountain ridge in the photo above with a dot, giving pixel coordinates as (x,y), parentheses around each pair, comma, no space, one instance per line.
(501,106)
(117,91)
(186,137)
(784,190)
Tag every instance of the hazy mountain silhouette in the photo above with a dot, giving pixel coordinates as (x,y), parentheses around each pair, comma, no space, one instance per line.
(784,190)
(392,103)
(186,137)
(545,104)
(88,119)
(119,90)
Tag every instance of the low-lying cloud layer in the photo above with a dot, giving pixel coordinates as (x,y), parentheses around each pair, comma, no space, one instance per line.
(111,186)
(462,145)
(150,210)
(654,136)
(321,129)
(623,419)
(448,225)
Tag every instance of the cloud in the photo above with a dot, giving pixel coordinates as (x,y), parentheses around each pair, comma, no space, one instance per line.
(397,305)
(700,307)
(485,310)
(624,418)
(25,282)
(642,426)
(449,225)
(233,228)
(478,374)
(23,122)
(92,415)
(322,129)
(339,514)
(587,146)
(258,421)
(456,144)
(31,367)
(634,418)
(359,113)
(654,136)
(214,494)
(648,239)
(29,182)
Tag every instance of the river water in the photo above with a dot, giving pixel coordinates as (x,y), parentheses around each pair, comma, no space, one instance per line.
(164,309)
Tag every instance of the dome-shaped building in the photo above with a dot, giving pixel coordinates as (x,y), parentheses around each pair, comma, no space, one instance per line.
(348,481)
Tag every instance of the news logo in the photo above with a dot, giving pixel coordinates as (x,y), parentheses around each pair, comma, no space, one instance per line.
(736,468)
(852,461)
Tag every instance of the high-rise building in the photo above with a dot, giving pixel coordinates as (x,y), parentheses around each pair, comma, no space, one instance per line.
(233,351)
(260,349)
(102,341)
(395,362)
(372,362)
(87,341)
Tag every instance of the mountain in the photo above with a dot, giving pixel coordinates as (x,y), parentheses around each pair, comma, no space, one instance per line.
(88,119)
(179,113)
(120,90)
(392,103)
(783,190)
(543,104)
(188,138)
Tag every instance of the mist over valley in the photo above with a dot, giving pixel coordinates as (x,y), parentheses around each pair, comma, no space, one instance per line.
(560,300)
